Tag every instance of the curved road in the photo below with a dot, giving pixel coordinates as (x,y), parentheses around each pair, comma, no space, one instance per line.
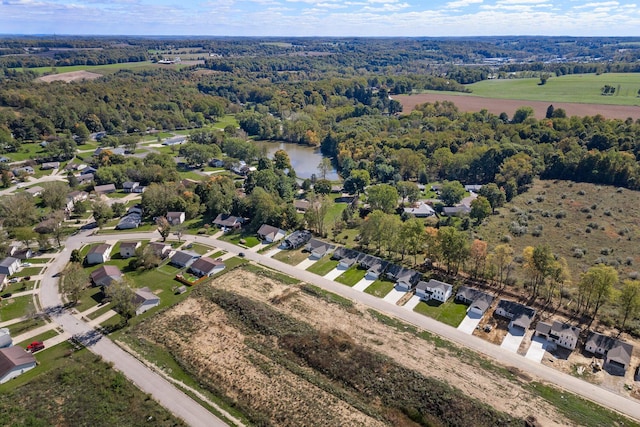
(631,408)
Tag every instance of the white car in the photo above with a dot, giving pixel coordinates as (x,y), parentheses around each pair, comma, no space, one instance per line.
(26,264)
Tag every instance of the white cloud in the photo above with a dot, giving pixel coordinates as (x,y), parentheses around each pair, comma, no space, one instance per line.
(597,4)
(461,3)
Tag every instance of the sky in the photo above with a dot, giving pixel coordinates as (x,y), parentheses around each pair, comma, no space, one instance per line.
(413,18)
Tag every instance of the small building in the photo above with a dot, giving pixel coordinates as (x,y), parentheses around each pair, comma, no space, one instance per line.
(5,338)
(420,210)
(25,170)
(161,250)
(85,178)
(34,191)
(99,254)
(3,281)
(216,163)
(130,186)
(375,267)
(175,218)
(301,205)
(105,275)
(114,151)
(184,258)
(228,222)
(460,210)
(478,301)
(434,289)
(318,248)
(9,266)
(617,353)
(558,333)
(105,189)
(270,234)
(205,266)
(88,170)
(473,188)
(520,315)
(75,197)
(15,361)
(145,300)
(297,239)
(407,279)
(19,252)
(347,257)
(129,221)
(50,165)
(128,249)
(174,140)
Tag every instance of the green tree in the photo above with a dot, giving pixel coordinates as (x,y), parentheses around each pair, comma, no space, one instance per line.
(494,195)
(595,287)
(453,247)
(25,235)
(522,114)
(122,296)
(501,258)
(281,160)
(629,301)
(18,210)
(74,280)
(383,197)
(357,181)
(163,226)
(452,192)
(413,237)
(316,214)
(408,191)
(198,155)
(102,212)
(480,209)
(118,209)
(324,167)
(322,186)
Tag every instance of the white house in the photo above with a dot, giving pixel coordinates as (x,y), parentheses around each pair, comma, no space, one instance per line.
(318,248)
(420,210)
(9,265)
(145,300)
(559,333)
(5,338)
(617,353)
(99,254)
(15,361)
(434,289)
(206,266)
(270,234)
(128,249)
(161,250)
(184,258)
(175,218)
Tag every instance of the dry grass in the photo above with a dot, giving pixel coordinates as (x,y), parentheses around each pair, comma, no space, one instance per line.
(69,77)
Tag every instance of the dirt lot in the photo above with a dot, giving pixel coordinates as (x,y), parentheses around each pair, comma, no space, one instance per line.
(69,77)
(221,353)
(509,106)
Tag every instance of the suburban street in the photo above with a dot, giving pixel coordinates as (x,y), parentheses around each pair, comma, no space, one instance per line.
(170,397)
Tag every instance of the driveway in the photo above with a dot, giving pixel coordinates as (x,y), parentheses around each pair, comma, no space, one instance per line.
(335,273)
(394,296)
(513,339)
(411,304)
(272,252)
(469,323)
(307,263)
(363,284)
(537,349)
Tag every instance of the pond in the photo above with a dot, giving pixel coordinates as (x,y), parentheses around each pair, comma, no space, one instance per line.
(305,160)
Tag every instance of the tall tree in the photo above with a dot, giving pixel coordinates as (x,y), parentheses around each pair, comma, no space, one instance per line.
(74,280)
(383,197)
(102,212)
(478,255)
(453,248)
(413,237)
(164,228)
(494,195)
(629,301)
(595,287)
(502,257)
(121,295)
(324,167)
(357,181)
(452,192)
(316,214)
(480,209)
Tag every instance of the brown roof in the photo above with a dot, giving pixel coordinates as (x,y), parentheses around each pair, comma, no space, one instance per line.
(206,264)
(131,245)
(100,275)
(11,357)
(100,249)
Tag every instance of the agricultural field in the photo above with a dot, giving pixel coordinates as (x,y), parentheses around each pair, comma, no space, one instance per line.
(266,353)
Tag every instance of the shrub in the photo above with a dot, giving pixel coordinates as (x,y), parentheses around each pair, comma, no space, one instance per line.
(506,239)
(578,253)
(581,193)
(537,232)
(585,209)
(594,207)
(629,261)
(564,196)
(546,214)
(587,230)
(561,214)
(634,275)
(517,229)
(607,212)
(606,251)
(540,198)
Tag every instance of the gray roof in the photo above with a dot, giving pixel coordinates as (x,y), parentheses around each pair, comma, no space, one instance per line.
(225,220)
(317,245)
(433,284)
(455,210)
(102,249)
(183,257)
(620,353)
(131,245)
(105,187)
(520,314)
(8,261)
(558,328)
(12,357)
(143,295)
(475,297)
(422,209)
(298,238)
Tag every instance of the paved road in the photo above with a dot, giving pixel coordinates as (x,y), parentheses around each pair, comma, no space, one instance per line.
(148,381)
(583,388)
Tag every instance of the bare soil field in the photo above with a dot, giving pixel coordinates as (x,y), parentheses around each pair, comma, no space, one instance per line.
(207,340)
(69,77)
(469,103)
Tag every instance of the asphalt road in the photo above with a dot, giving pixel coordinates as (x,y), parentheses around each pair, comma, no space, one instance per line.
(582,388)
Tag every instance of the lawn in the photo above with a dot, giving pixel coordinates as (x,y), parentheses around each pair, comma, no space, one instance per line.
(323,266)
(99,312)
(12,308)
(293,257)
(380,288)
(118,194)
(89,297)
(21,286)
(583,88)
(169,269)
(201,249)
(28,271)
(41,337)
(250,240)
(351,276)
(228,120)
(25,326)
(450,313)
(217,254)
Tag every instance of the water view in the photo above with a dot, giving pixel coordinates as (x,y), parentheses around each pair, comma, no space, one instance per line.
(305,160)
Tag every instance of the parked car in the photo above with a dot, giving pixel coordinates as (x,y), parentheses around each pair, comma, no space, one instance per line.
(241,254)
(35,346)
(26,264)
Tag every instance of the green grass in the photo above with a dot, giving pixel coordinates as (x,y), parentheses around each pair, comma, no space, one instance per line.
(293,257)
(90,297)
(12,308)
(200,249)
(217,254)
(351,276)
(581,88)
(99,312)
(118,194)
(380,288)
(250,240)
(38,260)
(323,266)
(450,313)
(191,175)
(28,271)
(25,326)
(41,337)
(169,269)
(20,286)
(228,120)
(100,69)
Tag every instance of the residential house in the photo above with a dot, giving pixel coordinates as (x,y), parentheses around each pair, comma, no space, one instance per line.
(20,253)
(420,210)
(184,258)
(15,361)
(375,266)
(129,221)
(617,353)
(478,301)
(105,275)
(99,254)
(128,249)
(175,218)
(130,186)
(336,188)
(105,189)
(174,140)
(75,197)
(473,188)
(520,315)
(9,266)
(216,163)
(50,165)
(3,281)
(228,222)
(407,279)
(25,170)
(5,338)
(297,239)
(301,205)
(88,170)
(205,266)
(34,191)
(347,257)
(85,178)
(139,189)
(318,248)
(270,234)
(559,333)
(460,210)
(434,289)
(144,300)
(118,151)
(161,250)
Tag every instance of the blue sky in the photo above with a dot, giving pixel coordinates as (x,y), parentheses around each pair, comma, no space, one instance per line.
(321,17)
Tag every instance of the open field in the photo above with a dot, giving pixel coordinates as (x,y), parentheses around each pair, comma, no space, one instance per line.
(270,349)
(577,94)
(70,76)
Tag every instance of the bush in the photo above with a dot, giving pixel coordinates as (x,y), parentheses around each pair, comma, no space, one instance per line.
(606,251)
(581,193)
(634,275)
(506,239)
(561,214)
(629,261)
(517,229)
(540,198)
(607,212)
(578,253)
